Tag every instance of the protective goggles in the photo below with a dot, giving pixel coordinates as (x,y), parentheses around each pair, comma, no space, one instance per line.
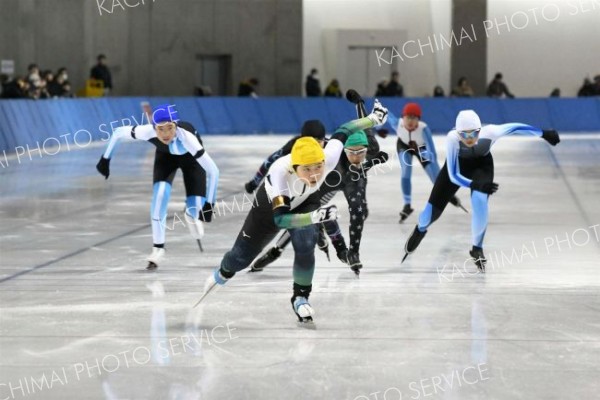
(470,134)
(355,152)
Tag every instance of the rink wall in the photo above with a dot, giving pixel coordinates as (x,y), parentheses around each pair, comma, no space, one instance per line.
(27,122)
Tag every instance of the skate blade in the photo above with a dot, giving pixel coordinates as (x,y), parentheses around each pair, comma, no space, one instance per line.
(200,245)
(151,266)
(464,209)
(204,295)
(252,270)
(404,258)
(307,324)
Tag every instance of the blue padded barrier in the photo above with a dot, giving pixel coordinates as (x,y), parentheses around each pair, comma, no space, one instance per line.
(278,115)
(28,122)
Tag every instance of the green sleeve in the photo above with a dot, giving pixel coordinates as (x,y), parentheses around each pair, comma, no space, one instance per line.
(289,220)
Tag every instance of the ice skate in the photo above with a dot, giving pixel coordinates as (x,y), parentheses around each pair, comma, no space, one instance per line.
(271,255)
(196,229)
(455,201)
(413,241)
(354,262)
(406,211)
(478,258)
(213,282)
(343,255)
(303,311)
(155,258)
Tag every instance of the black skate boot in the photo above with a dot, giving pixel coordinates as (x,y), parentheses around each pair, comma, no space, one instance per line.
(406,211)
(266,259)
(343,255)
(478,258)
(413,241)
(455,201)
(354,262)
(301,307)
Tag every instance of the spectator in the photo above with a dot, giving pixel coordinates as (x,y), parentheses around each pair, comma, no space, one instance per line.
(202,91)
(101,72)
(16,88)
(248,88)
(394,88)
(3,81)
(587,89)
(60,86)
(438,92)
(313,86)
(596,86)
(382,88)
(333,90)
(33,76)
(555,92)
(463,89)
(497,88)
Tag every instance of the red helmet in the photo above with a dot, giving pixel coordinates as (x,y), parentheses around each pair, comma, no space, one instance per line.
(412,109)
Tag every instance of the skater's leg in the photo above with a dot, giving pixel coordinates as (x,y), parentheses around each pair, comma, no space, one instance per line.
(304,241)
(405,158)
(443,190)
(432,169)
(272,254)
(158,211)
(479,219)
(165,166)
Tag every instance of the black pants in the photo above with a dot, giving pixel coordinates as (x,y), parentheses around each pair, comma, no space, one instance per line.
(194,176)
(259,229)
(354,186)
(479,169)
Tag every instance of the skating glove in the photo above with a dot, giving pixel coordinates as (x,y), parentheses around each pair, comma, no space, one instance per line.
(250,186)
(551,136)
(379,114)
(323,214)
(484,187)
(103,166)
(207,212)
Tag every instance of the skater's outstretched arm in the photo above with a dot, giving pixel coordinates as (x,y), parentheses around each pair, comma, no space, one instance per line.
(335,146)
(125,133)
(143,132)
(515,128)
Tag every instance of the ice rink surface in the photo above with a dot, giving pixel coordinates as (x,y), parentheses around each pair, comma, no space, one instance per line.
(80,318)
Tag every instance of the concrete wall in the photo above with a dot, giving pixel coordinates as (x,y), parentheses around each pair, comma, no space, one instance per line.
(545,44)
(418,20)
(152,45)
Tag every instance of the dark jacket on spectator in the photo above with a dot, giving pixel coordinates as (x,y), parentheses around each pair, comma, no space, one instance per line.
(101,72)
(497,88)
(394,89)
(312,86)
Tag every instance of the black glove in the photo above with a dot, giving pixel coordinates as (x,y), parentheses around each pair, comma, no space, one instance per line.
(207,212)
(250,186)
(551,136)
(103,166)
(383,156)
(382,132)
(485,187)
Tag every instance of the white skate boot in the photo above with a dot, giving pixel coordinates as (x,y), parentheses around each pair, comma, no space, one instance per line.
(195,226)
(154,259)
(304,312)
